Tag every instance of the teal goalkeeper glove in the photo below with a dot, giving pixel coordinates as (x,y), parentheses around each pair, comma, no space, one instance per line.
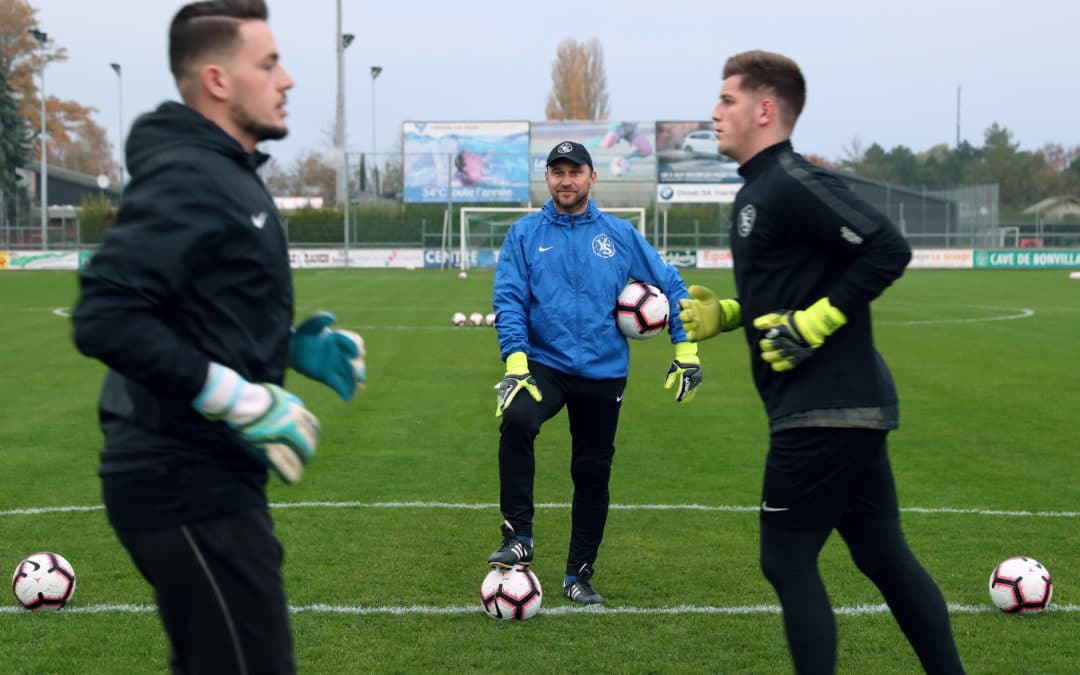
(686,370)
(333,357)
(517,378)
(280,432)
(704,315)
(791,337)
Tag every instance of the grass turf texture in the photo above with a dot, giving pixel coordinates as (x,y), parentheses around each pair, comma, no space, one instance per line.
(988,415)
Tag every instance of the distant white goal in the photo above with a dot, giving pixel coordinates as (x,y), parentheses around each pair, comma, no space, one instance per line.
(484,227)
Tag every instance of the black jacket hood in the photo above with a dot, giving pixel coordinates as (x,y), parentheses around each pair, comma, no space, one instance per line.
(174,124)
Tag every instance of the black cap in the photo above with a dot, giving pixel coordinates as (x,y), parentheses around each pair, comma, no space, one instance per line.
(571,151)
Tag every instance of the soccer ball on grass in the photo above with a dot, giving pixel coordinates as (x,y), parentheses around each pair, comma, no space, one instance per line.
(511,594)
(43,581)
(1021,585)
(641,310)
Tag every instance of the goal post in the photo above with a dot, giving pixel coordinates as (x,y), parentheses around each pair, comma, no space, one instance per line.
(485,227)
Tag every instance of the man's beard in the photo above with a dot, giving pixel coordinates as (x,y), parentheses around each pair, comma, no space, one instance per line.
(261,132)
(574,205)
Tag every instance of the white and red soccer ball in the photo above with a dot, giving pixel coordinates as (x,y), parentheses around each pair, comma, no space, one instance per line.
(511,594)
(1021,585)
(43,581)
(641,310)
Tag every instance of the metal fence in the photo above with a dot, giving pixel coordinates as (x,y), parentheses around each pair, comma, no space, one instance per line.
(378,215)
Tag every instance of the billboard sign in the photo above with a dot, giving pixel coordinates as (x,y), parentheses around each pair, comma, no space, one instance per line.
(621,151)
(689,168)
(468,162)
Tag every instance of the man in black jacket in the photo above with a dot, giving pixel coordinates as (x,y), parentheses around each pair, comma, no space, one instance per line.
(189,303)
(809,256)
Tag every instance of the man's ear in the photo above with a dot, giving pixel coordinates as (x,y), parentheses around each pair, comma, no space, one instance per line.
(215,81)
(768,112)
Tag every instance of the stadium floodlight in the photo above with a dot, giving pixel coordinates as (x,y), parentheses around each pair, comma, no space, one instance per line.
(43,38)
(120,110)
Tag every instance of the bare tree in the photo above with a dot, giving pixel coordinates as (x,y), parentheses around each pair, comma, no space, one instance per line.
(578,82)
(75,140)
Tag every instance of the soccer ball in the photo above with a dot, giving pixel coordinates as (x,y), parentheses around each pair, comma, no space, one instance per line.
(458,319)
(476,319)
(462,274)
(489,319)
(511,594)
(620,166)
(642,310)
(43,581)
(1021,585)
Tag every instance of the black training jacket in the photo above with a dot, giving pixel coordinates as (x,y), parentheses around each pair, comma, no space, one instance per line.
(195,270)
(798,234)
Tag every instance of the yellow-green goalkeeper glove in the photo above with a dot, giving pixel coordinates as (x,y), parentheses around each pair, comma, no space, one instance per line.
(517,378)
(791,337)
(686,370)
(704,315)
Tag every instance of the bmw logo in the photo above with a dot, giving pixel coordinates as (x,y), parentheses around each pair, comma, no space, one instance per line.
(666,192)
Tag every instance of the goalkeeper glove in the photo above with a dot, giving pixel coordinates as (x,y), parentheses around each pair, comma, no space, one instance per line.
(686,370)
(517,378)
(791,337)
(704,315)
(333,357)
(280,432)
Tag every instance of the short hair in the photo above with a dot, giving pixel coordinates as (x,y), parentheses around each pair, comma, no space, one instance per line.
(202,27)
(761,70)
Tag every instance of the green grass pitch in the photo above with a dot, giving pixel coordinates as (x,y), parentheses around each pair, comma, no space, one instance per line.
(387,534)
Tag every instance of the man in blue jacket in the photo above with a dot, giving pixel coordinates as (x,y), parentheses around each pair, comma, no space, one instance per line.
(560,271)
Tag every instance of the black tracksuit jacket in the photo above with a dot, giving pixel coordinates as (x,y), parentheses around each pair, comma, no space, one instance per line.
(195,270)
(798,234)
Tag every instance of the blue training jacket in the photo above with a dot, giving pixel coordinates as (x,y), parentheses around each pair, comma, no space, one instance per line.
(556,286)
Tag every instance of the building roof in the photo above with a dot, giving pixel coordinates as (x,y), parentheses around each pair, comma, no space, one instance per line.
(1054,202)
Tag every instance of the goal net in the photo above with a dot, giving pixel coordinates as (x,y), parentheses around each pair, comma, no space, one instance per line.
(483,228)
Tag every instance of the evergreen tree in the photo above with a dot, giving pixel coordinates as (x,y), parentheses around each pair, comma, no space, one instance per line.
(14,150)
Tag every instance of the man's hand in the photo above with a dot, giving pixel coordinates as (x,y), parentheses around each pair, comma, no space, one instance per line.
(517,378)
(280,432)
(333,357)
(686,370)
(791,337)
(704,315)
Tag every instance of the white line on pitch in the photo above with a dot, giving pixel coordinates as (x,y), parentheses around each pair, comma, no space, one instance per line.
(562,505)
(562,610)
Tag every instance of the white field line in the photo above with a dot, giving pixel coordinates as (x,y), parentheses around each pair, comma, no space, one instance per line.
(563,610)
(1013,313)
(561,505)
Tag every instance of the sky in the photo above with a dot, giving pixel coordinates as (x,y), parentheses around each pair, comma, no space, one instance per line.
(888,75)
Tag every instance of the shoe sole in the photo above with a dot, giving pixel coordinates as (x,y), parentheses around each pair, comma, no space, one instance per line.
(506,566)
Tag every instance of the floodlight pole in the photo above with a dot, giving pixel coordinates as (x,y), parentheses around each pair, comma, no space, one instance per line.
(120,112)
(342,40)
(42,38)
(375,70)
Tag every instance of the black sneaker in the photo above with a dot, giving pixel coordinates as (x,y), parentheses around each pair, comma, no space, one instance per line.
(513,551)
(580,590)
